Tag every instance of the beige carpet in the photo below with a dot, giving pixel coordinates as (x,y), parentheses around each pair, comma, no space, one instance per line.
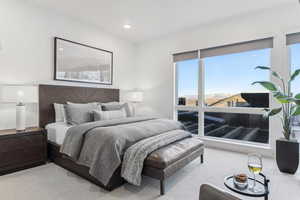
(50,182)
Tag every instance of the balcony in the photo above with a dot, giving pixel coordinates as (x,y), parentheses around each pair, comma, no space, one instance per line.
(236,126)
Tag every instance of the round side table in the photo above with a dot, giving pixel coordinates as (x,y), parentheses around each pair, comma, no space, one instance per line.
(263,187)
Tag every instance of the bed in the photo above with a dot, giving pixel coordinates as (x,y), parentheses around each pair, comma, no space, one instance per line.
(159,164)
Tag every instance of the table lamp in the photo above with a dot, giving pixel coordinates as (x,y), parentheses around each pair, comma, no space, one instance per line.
(20,95)
(135,97)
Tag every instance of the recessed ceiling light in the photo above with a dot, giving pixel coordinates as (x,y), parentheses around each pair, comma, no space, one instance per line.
(127,26)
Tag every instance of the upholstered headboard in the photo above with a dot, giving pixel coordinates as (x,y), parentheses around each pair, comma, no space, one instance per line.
(49,94)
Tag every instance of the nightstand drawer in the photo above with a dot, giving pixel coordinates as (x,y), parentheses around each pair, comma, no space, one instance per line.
(20,143)
(21,156)
(22,150)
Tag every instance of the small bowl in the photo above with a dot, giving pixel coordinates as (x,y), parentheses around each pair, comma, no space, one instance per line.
(238,184)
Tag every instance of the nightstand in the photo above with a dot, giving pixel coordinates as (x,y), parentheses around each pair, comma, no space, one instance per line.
(22,149)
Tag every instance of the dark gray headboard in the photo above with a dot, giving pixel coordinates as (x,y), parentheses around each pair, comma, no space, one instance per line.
(49,94)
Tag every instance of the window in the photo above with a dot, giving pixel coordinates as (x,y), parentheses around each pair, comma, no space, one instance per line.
(228,79)
(295,64)
(187,76)
(293,42)
(189,118)
(246,127)
(214,95)
(186,93)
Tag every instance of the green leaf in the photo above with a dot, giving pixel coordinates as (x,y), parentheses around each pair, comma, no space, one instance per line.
(268,68)
(266,84)
(273,112)
(294,100)
(278,94)
(296,110)
(283,100)
(280,97)
(297,96)
(297,101)
(295,74)
(263,67)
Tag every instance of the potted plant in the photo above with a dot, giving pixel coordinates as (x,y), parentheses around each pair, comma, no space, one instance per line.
(287,148)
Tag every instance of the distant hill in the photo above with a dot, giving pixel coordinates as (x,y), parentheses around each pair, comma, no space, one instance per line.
(230,101)
(213,98)
(218,100)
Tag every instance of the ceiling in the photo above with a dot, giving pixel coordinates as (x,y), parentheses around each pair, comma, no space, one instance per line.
(154,18)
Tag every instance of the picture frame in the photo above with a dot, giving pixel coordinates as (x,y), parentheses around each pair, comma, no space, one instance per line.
(77,62)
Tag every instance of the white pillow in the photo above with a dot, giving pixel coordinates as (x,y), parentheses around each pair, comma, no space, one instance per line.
(60,112)
(109,115)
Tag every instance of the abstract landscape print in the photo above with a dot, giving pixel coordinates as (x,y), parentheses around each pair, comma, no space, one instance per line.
(82,63)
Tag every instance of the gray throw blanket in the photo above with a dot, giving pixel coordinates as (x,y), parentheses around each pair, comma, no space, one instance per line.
(101,145)
(135,155)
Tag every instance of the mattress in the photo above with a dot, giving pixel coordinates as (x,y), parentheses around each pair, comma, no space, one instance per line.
(57,132)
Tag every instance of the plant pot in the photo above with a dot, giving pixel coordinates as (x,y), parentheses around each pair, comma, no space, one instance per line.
(287,155)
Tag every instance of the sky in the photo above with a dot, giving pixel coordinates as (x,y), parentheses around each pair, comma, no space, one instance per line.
(295,64)
(187,77)
(229,74)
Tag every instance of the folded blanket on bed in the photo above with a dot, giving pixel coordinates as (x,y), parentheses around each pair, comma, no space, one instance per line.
(135,155)
(101,145)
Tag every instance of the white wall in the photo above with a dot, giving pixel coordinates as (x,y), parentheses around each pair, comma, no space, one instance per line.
(26,49)
(155,67)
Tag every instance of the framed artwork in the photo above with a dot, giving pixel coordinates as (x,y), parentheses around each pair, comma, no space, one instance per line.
(78,62)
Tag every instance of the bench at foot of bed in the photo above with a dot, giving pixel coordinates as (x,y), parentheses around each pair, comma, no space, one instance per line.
(164,162)
(160,164)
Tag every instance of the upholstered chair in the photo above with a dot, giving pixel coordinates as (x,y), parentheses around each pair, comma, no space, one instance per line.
(208,192)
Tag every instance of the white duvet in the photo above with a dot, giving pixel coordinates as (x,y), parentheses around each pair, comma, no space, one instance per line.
(57,132)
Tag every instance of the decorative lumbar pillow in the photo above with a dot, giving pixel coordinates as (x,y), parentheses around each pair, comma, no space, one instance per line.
(96,104)
(109,115)
(60,112)
(80,113)
(117,106)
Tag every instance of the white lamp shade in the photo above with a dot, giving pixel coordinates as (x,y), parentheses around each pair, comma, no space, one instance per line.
(18,93)
(135,96)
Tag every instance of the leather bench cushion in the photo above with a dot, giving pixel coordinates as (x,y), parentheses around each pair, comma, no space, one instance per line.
(169,154)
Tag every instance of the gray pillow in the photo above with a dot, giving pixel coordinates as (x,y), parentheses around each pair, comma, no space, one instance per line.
(116,106)
(80,113)
(109,115)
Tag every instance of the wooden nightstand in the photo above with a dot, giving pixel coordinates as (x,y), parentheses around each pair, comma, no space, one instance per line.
(22,149)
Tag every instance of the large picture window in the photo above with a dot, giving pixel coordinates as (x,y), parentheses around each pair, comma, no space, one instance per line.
(228,79)
(214,94)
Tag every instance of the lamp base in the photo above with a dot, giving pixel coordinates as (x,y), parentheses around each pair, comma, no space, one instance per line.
(20,117)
